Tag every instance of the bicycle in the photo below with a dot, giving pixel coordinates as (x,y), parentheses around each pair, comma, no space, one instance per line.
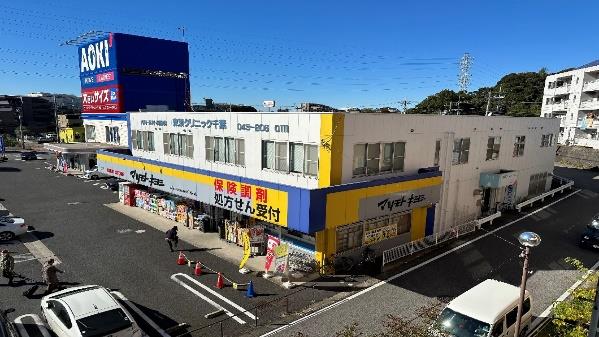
(335,265)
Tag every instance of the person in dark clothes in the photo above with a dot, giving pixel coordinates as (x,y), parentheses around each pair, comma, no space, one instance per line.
(171,237)
(49,273)
(7,266)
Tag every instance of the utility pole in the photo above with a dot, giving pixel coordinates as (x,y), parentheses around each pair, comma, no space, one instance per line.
(595,315)
(488,104)
(56,118)
(21,124)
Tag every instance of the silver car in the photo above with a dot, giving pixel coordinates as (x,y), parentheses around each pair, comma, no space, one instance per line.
(11,227)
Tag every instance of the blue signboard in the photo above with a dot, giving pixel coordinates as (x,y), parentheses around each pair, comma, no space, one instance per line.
(2,148)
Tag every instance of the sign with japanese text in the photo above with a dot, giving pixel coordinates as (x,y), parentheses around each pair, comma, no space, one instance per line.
(379,234)
(101,99)
(199,123)
(271,244)
(374,207)
(281,253)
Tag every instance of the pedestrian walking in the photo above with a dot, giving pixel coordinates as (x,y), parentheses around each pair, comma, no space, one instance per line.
(172,237)
(7,266)
(49,274)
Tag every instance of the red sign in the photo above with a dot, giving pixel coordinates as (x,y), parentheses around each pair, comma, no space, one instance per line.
(105,77)
(271,244)
(101,99)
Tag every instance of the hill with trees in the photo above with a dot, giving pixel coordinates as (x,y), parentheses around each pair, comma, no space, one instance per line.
(515,94)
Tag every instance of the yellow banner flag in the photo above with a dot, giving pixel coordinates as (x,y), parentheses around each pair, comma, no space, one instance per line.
(246,249)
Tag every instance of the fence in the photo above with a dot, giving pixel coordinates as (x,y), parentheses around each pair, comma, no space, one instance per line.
(566,184)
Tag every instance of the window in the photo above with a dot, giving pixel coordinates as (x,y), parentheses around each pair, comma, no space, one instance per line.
(519,146)
(134,139)
(526,306)
(112,134)
(268,154)
(537,183)
(461,151)
(359,159)
(510,318)
(149,141)
(493,145)
(497,328)
(281,157)
(303,158)
(177,144)
(209,145)
(377,158)
(547,140)
(437,152)
(352,236)
(90,133)
(61,313)
(225,150)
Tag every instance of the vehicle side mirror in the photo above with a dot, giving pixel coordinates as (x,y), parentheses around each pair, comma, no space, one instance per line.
(49,305)
(9,310)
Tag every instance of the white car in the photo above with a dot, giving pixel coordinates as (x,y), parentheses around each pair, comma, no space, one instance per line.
(95,174)
(88,311)
(10,227)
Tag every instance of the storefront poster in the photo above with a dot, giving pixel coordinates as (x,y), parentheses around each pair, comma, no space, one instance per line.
(379,234)
(256,234)
(271,244)
(101,99)
(281,253)
(246,250)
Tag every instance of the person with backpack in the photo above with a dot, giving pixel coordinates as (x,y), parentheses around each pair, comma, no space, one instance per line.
(171,237)
(7,266)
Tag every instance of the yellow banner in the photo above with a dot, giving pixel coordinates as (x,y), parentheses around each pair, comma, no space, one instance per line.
(246,249)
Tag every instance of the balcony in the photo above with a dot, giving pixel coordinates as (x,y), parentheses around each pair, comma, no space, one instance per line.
(588,142)
(591,86)
(564,89)
(560,106)
(589,104)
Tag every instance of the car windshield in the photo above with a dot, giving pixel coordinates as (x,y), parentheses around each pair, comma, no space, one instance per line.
(455,324)
(104,323)
(7,220)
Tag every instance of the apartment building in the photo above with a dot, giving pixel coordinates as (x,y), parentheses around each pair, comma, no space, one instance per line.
(573,97)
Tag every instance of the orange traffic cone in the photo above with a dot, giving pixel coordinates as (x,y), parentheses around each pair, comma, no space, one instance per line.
(220,283)
(181,259)
(198,269)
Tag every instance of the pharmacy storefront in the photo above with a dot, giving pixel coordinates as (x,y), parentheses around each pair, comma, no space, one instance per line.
(315,222)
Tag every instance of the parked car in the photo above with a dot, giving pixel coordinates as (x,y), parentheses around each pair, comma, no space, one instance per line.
(11,227)
(28,155)
(94,174)
(488,309)
(113,184)
(88,311)
(7,329)
(590,237)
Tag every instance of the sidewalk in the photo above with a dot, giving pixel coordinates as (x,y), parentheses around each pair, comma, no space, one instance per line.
(226,251)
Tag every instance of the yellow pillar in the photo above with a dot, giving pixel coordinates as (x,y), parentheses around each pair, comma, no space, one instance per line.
(330,159)
(418,223)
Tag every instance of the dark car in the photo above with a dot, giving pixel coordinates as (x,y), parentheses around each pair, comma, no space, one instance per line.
(7,329)
(113,184)
(590,237)
(28,155)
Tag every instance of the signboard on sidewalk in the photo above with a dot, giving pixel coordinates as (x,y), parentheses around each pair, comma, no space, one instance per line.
(246,250)
(271,244)
(281,253)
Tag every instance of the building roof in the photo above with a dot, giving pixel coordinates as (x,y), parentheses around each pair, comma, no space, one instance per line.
(81,147)
(590,64)
(486,301)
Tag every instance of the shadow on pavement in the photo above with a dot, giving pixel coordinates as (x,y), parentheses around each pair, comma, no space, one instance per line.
(9,169)
(163,321)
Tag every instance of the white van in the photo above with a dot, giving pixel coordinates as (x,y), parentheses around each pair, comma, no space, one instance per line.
(487,310)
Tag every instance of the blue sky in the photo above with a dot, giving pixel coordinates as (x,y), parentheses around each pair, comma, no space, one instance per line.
(341,53)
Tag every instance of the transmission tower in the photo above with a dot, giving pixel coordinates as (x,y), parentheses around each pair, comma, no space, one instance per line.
(465,75)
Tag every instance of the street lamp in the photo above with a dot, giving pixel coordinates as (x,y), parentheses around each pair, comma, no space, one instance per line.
(527,240)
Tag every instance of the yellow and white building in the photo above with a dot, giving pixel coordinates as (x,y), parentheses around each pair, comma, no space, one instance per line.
(335,182)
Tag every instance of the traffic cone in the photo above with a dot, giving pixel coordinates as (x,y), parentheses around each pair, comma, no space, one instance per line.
(220,282)
(198,269)
(181,259)
(250,292)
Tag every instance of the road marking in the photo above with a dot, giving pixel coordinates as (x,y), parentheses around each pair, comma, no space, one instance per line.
(231,303)
(140,313)
(596,177)
(38,249)
(23,257)
(38,323)
(202,296)
(407,271)
(139,231)
(96,184)
(73,203)
(543,316)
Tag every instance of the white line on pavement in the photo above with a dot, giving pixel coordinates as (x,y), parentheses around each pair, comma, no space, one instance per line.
(231,303)
(38,249)
(407,271)
(140,313)
(38,323)
(96,184)
(565,295)
(202,296)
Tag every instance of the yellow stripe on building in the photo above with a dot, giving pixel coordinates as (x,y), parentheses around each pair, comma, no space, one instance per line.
(330,161)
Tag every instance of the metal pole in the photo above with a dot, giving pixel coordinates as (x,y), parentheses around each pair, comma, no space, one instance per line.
(595,315)
(56,119)
(221,329)
(522,290)
(21,124)
(256,316)
(488,104)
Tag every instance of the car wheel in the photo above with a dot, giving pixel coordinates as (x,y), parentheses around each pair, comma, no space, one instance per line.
(7,236)
(94,177)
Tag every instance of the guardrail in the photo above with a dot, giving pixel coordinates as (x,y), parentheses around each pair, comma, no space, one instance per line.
(545,195)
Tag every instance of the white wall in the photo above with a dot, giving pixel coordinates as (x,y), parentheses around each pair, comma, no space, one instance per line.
(101,130)
(420,133)
(303,128)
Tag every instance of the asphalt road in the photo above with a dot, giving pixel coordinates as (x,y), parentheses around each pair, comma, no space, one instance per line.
(494,256)
(100,246)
